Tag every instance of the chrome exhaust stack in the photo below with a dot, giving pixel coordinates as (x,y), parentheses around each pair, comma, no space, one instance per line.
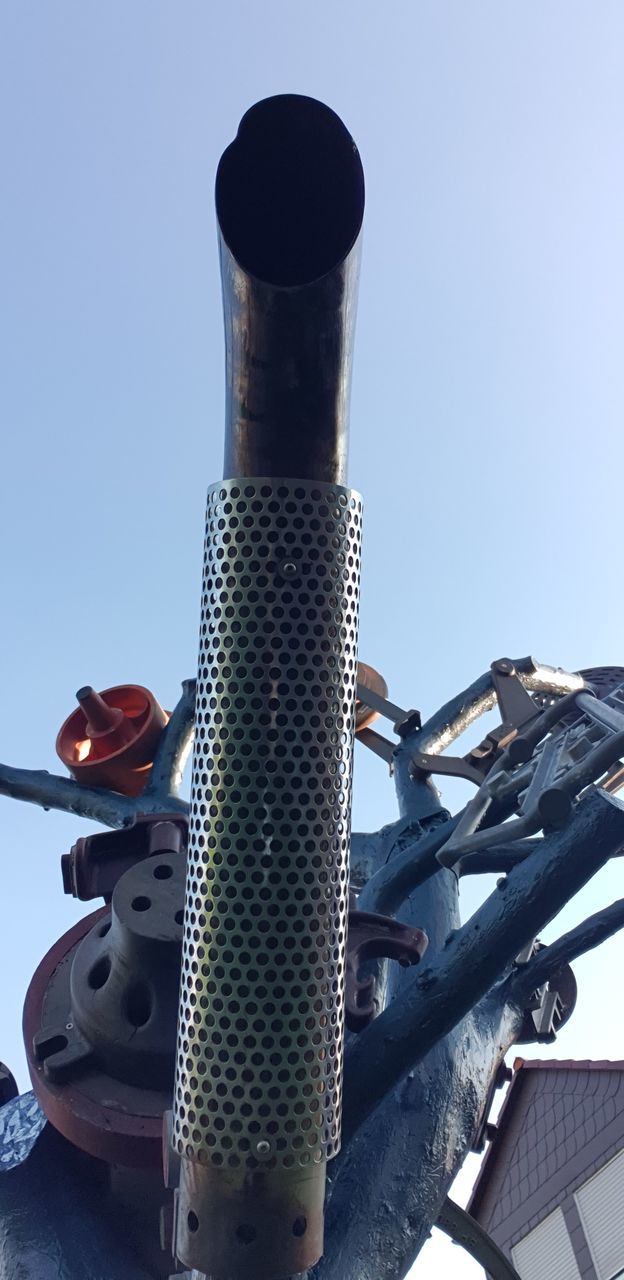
(261,1023)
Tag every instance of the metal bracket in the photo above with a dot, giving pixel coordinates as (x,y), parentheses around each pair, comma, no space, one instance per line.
(551,1005)
(403,723)
(486,1130)
(375,937)
(95,863)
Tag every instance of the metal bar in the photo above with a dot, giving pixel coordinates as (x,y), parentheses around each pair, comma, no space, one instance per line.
(469,1233)
(461,711)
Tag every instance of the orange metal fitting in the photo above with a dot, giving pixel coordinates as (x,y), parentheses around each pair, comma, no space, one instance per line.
(364,716)
(110,739)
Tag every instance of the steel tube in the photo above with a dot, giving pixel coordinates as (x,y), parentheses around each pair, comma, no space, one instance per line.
(257,1099)
(290,202)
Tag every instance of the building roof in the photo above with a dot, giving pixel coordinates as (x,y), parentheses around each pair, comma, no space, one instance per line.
(512,1097)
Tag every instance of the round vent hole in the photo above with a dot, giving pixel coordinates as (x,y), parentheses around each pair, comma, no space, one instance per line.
(138,1004)
(99,974)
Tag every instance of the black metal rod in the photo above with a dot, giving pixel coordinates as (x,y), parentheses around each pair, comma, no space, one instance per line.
(290,202)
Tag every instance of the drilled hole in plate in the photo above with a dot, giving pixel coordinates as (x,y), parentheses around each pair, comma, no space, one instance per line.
(99,973)
(300,1226)
(163,871)
(179,917)
(138,1004)
(55,1044)
(245,1233)
(141,903)
(192,1220)
(104,929)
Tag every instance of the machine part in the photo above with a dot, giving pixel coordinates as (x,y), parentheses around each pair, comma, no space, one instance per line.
(517,709)
(95,863)
(515,703)
(487,1130)
(265,1222)
(464,1230)
(422,764)
(100,1016)
(262,996)
(403,722)
(366,715)
(375,937)
(541,771)
(8,1086)
(379,745)
(111,738)
(372,701)
(289,269)
(551,1006)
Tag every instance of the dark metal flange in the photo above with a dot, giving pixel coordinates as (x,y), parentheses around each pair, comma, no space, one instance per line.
(100,1018)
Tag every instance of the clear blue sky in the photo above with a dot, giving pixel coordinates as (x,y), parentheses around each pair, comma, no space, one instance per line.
(488,384)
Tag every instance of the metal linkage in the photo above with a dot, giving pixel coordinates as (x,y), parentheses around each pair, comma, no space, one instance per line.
(550,1005)
(544,767)
(403,722)
(375,937)
(518,710)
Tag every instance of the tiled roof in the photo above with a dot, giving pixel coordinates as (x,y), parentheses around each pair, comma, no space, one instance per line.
(521,1065)
(570,1064)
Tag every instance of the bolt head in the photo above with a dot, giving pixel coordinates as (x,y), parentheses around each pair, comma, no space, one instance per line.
(504,666)
(263,1148)
(289,569)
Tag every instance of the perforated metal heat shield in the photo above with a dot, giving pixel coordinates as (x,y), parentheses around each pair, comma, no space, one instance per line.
(257,1095)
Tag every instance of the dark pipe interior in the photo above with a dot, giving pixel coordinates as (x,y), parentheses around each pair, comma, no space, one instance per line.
(290,191)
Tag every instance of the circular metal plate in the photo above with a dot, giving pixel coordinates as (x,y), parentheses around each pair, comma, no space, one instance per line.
(114,1121)
(262,997)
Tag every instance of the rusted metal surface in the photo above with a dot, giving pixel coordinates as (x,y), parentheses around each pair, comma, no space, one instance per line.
(105,1116)
(266,1223)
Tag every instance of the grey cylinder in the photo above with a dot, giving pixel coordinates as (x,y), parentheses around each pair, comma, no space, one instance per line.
(259,1060)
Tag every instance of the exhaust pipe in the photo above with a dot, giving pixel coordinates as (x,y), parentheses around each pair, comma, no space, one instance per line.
(261,1021)
(290,202)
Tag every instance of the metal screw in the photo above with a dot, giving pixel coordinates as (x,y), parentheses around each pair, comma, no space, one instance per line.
(69,1026)
(504,667)
(289,569)
(263,1148)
